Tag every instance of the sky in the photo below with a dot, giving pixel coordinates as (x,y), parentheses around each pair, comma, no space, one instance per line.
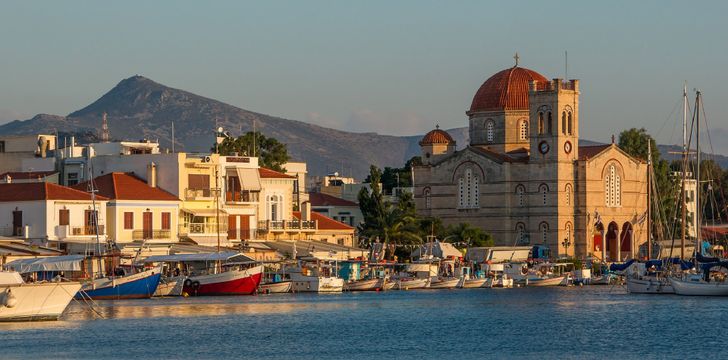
(392,67)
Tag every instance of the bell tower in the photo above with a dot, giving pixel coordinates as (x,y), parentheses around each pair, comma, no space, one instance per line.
(554,114)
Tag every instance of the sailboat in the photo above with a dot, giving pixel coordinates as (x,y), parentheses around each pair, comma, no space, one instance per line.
(704,281)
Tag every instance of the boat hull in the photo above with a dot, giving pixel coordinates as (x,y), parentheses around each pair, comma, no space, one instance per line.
(280,287)
(556,281)
(699,288)
(37,302)
(412,284)
(234,282)
(317,284)
(474,283)
(647,285)
(365,285)
(170,286)
(136,286)
(444,284)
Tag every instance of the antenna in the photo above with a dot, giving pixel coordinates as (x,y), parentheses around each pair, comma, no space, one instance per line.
(173,136)
(104,128)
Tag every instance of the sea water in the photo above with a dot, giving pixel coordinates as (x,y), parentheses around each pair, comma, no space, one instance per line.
(557,322)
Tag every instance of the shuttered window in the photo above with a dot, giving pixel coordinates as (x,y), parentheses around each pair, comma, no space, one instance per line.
(198,181)
(64,217)
(166,221)
(128,220)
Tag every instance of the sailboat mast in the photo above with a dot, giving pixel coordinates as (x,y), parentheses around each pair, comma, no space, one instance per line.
(94,213)
(697,221)
(683,216)
(649,202)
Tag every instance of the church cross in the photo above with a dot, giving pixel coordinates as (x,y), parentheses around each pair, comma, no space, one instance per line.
(516,57)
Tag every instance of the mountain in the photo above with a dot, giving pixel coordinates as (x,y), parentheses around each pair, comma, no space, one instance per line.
(140,108)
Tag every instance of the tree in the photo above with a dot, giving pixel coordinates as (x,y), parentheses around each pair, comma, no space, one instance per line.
(467,235)
(391,223)
(271,153)
(398,177)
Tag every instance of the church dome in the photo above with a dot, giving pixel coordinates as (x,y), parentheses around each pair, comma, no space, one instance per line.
(506,90)
(437,136)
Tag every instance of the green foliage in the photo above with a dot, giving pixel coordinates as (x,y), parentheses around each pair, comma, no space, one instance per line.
(466,235)
(271,153)
(397,177)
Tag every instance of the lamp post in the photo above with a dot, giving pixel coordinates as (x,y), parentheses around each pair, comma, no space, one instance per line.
(566,243)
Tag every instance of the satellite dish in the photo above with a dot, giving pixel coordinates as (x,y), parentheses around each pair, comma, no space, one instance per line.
(219,129)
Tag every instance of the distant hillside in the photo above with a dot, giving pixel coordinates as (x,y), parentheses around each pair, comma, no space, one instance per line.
(139,108)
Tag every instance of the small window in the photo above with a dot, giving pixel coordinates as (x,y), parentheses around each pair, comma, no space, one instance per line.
(544,190)
(520,193)
(540,123)
(571,124)
(544,232)
(550,123)
(428,199)
(490,131)
(128,220)
(524,130)
(64,217)
(166,221)
(567,196)
(563,122)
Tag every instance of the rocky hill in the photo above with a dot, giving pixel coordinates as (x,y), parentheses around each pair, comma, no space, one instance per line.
(140,108)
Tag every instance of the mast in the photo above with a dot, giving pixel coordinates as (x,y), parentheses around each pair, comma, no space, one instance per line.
(697,221)
(649,200)
(683,214)
(94,213)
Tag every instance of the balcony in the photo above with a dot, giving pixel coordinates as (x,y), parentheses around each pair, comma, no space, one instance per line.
(151,234)
(241,197)
(202,228)
(87,230)
(200,194)
(287,226)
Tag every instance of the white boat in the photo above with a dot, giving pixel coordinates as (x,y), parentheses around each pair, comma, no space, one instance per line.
(474,283)
(649,285)
(412,283)
(365,285)
(170,286)
(320,284)
(546,281)
(280,287)
(500,282)
(695,285)
(444,283)
(389,284)
(33,302)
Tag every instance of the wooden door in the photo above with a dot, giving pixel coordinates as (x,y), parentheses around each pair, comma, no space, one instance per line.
(244,227)
(147,225)
(90,218)
(17,223)
(232,227)
(64,217)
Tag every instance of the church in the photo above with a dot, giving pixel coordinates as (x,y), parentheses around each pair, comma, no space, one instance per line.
(525,179)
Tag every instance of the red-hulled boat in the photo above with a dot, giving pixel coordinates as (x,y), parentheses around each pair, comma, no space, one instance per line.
(231,282)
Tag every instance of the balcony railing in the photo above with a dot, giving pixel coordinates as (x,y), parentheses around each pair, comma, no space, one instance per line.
(202,228)
(281,225)
(87,230)
(151,234)
(241,196)
(194,194)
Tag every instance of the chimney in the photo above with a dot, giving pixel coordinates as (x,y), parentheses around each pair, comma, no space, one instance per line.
(152,174)
(8,179)
(306,211)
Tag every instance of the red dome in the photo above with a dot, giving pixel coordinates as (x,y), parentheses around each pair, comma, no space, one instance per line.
(437,136)
(506,90)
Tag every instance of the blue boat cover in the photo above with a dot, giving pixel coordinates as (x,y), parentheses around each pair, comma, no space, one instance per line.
(705,259)
(621,267)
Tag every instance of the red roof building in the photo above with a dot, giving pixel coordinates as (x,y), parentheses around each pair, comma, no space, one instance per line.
(272,174)
(42,191)
(506,90)
(123,186)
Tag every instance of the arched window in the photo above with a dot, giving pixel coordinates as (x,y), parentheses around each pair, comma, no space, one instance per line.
(612,187)
(521,194)
(468,190)
(540,123)
(571,124)
(567,195)
(490,130)
(274,205)
(521,234)
(544,229)
(563,122)
(568,233)
(544,190)
(428,199)
(524,130)
(551,123)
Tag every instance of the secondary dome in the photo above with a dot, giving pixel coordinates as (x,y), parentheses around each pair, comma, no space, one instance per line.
(437,136)
(506,90)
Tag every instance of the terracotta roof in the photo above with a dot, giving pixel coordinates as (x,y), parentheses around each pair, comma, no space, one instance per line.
(588,152)
(123,186)
(41,191)
(272,174)
(27,175)
(321,199)
(506,90)
(324,222)
(437,136)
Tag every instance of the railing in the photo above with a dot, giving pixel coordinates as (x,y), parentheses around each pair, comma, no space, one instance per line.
(241,196)
(151,234)
(202,228)
(280,225)
(87,230)
(192,194)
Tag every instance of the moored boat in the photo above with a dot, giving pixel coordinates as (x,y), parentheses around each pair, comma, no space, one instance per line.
(365,285)
(280,287)
(231,282)
(546,281)
(474,283)
(170,286)
(20,301)
(444,283)
(412,283)
(141,285)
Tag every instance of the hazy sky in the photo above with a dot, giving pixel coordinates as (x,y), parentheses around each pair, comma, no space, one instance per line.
(394,67)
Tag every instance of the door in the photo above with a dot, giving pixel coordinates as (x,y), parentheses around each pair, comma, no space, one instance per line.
(89,227)
(147,225)
(232,226)
(64,217)
(17,223)
(244,227)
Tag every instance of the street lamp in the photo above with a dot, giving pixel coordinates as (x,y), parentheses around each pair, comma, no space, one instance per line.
(566,243)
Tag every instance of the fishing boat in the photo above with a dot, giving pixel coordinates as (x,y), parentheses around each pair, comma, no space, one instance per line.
(317,275)
(473,283)
(141,285)
(279,287)
(365,285)
(444,283)
(170,286)
(412,283)
(230,282)
(21,301)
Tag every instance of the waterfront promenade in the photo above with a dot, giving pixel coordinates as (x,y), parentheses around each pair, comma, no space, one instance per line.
(557,322)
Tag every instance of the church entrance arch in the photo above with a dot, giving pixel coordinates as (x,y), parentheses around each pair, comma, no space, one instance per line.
(612,245)
(598,244)
(625,240)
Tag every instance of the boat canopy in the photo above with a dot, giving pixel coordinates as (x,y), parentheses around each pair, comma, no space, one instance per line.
(52,263)
(705,259)
(215,256)
(620,267)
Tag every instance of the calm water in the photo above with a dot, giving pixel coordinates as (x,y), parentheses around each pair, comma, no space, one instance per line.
(589,322)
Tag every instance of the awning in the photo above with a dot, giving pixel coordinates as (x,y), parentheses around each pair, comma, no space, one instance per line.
(249,178)
(215,256)
(53,263)
(205,212)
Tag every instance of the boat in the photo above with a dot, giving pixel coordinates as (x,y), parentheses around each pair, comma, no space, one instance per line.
(280,287)
(704,283)
(141,285)
(317,275)
(170,286)
(412,283)
(21,301)
(538,275)
(546,281)
(500,281)
(444,283)
(474,283)
(365,285)
(230,282)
